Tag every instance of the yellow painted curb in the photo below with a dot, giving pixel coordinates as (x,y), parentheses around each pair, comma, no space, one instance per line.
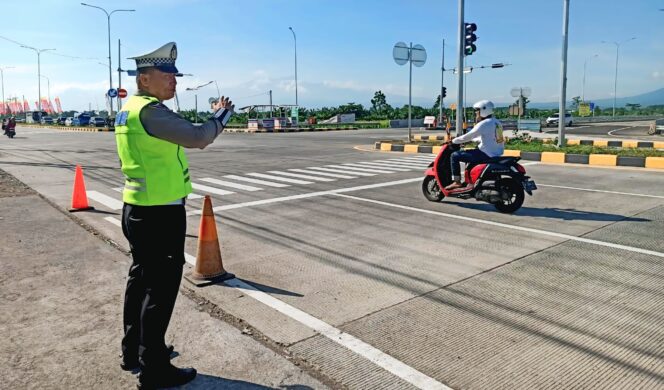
(630,144)
(600,142)
(410,148)
(603,159)
(512,153)
(655,162)
(658,145)
(435,149)
(385,147)
(573,142)
(553,157)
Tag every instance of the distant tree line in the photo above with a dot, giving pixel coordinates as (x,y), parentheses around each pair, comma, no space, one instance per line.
(380,109)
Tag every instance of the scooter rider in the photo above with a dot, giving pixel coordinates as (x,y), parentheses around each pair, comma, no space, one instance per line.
(488,131)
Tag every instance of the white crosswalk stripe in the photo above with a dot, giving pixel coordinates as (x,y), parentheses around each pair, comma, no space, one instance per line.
(323,173)
(106,200)
(256,181)
(225,183)
(403,164)
(417,162)
(212,190)
(357,169)
(368,164)
(416,159)
(400,164)
(285,180)
(301,176)
(342,171)
(361,168)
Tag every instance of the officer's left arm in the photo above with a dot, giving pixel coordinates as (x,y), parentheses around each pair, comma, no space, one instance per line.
(160,122)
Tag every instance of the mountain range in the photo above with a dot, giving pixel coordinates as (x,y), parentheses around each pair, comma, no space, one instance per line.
(645,99)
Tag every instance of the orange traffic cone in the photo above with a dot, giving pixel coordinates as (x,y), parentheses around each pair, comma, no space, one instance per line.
(79,198)
(209,268)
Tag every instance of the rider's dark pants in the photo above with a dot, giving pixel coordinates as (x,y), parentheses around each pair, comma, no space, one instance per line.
(467,156)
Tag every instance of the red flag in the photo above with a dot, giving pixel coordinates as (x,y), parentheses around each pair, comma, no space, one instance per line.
(2,108)
(44,105)
(57,103)
(26,106)
(36,106)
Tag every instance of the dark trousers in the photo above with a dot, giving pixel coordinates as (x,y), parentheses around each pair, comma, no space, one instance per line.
(156,237)
(467,156)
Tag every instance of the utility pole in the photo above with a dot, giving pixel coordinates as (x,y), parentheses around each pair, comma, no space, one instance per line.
(459,118)
(38,51)
(295,43)
(271,115)
(119,77)
(563,77)
(2,76)
(615,80)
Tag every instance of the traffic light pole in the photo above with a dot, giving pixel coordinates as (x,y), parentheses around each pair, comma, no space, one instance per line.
(442,87)
(459,118)
(563,77)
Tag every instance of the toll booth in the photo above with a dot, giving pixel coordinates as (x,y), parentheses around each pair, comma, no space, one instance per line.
(271,117)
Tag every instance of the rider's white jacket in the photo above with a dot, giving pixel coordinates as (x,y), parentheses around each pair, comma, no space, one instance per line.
(489,133)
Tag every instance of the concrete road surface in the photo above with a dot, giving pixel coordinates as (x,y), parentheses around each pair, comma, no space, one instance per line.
(343,265)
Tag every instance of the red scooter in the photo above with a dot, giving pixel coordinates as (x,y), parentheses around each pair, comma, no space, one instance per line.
(500,181)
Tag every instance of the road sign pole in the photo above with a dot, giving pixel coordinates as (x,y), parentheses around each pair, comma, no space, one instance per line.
(460,53)
(410,85)
(563,77)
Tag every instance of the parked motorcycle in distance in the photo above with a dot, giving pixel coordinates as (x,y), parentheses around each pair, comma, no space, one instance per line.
(500,181)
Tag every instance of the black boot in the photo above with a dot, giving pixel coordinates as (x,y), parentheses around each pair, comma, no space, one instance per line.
(168,376)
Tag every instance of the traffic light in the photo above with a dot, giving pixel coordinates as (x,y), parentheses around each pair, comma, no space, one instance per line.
(469,38)
(444,91)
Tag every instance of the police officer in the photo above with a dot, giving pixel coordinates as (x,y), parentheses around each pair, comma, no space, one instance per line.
(150,140)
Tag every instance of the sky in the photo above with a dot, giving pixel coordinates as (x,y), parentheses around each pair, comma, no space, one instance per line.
(344,48)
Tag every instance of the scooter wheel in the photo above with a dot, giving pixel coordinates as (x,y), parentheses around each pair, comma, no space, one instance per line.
(512,195)
(431,190)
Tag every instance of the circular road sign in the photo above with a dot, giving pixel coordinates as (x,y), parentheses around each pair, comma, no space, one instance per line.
(418,55)
(400,53)
(112,93)
(122,93)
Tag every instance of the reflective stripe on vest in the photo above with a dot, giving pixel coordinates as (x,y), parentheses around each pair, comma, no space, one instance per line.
(156,171)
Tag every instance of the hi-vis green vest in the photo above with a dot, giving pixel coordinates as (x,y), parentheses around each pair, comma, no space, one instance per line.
(156,171)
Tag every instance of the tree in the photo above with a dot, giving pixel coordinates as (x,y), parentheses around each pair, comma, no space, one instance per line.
(379,106)
(576,100)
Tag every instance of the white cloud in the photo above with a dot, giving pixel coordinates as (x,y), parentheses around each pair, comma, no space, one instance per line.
(59,87)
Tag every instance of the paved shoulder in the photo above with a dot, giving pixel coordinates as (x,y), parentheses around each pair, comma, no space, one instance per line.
(61,291)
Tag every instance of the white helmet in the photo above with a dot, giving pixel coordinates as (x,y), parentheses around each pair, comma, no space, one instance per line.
(485,107)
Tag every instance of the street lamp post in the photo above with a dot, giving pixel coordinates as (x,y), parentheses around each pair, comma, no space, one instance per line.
(196,98)
(108,19)
(615,80)
(48,83)
(38,51)
(295,43)
(2,77)
(583,90)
